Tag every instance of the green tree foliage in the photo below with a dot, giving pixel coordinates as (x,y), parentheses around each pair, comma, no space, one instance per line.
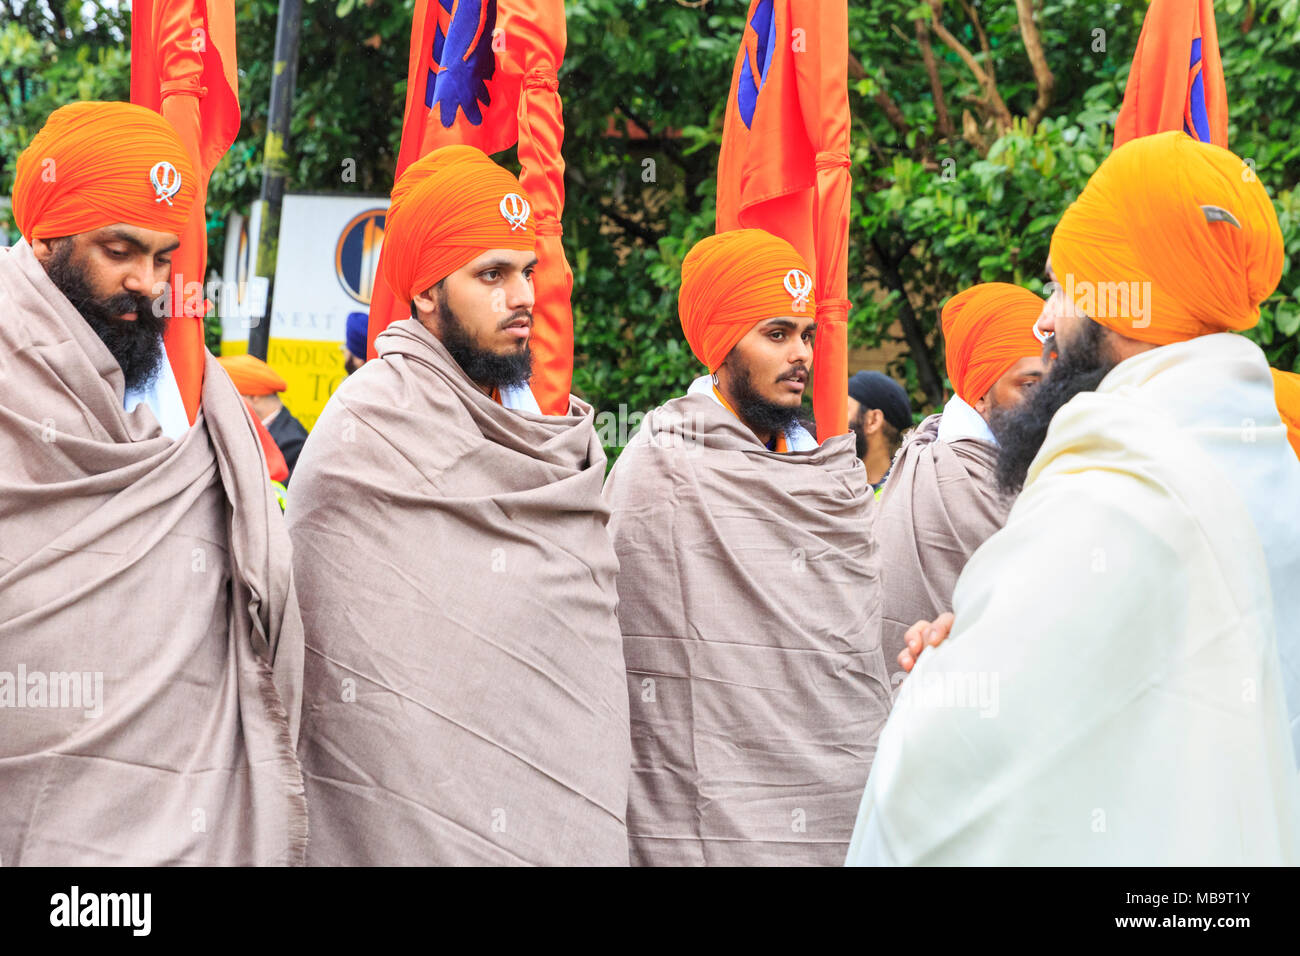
(965,152)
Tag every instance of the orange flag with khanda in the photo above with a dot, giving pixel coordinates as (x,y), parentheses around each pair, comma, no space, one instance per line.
(183,67)
(784,165)
(1176,82)
(484,73)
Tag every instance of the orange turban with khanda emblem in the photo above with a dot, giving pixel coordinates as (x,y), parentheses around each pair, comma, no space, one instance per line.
(251,375)
(1170,239)
(448,208)
(1286,392)
(987,329)
(733,281)
(98,164)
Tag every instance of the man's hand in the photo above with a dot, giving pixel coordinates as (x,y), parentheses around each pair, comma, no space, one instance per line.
(924,634)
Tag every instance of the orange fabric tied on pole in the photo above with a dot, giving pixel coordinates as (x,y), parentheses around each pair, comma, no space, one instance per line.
(183,67)
(784,165)
(1176,82)
(484,74)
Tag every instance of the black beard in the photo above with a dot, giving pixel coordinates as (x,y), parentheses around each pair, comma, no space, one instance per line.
(754,410)
(859,428)
(1020,431)
(137,346)
(484,367)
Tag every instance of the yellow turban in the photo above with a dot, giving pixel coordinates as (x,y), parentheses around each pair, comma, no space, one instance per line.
(96,164)
(733,281)
(1169,240)
(251,375)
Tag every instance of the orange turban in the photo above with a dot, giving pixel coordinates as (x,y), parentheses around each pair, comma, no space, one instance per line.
(448,208)
(96,164)
(733,281)
(251,375)
(1286,392)
(1169,240)
(987,329)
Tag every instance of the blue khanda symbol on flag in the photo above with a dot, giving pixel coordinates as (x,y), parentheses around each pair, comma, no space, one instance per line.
(758,50)
(1197,121)
(462,61)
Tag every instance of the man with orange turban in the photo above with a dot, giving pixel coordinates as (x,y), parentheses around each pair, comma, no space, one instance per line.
(465,691)
(261,385)
(747,587)
(941,500)
(1115,687)
(145,569)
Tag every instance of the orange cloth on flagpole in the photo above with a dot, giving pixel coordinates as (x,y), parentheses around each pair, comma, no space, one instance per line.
(1176,82)
(183,66)
(489,81)
(784,164)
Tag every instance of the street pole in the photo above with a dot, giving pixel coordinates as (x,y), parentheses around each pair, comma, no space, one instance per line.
(275,159)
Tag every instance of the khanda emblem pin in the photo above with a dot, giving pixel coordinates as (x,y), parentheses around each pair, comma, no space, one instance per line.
(166,180)
(800,285)
(515,210)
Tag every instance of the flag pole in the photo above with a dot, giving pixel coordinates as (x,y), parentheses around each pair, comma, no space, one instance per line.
(275,158)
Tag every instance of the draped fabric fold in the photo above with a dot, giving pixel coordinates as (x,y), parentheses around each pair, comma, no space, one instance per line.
(749,604)
(464,697)
(159,570)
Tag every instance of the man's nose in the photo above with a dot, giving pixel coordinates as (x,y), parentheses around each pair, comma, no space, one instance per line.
(1046,323)
(522,294)
(140,279)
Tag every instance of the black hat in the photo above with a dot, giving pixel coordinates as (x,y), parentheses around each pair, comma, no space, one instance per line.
(877,390)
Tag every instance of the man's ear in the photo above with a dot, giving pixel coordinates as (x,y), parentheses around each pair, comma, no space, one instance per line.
(874,420)
(425,305)
(982,405)
(42,250)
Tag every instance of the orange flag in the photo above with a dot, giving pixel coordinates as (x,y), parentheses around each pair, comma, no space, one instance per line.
(183,66)
(483,73)
(784,165)
(1176,82)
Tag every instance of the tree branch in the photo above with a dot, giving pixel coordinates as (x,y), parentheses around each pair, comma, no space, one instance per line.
(926,374)
(936,86)
(640,230)
(983,38)
(1038,59)
(882,98)
(996,106)
(670,146)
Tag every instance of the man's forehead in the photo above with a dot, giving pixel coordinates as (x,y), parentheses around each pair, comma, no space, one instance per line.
(147,240)
(789,323)
(499,257)
(1030,365)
